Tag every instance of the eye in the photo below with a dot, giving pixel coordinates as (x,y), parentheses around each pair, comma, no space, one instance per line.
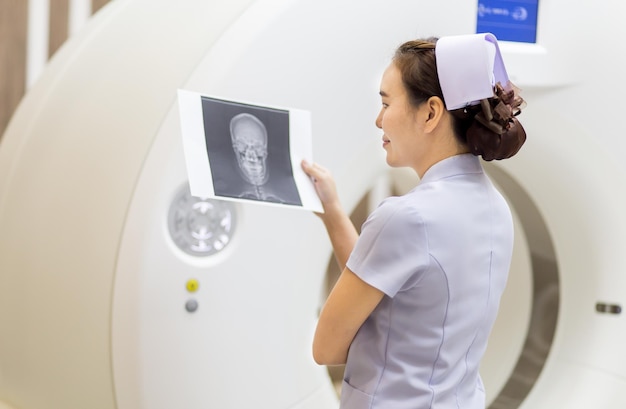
(385,105)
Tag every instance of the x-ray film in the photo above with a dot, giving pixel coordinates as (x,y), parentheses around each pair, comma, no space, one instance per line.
(245,152)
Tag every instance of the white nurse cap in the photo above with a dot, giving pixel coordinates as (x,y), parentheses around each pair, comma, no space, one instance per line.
(468,67)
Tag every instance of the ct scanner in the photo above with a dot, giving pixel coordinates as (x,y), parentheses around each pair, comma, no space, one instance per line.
(104,303)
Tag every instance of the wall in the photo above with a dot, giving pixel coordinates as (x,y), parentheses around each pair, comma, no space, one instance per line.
(31,31)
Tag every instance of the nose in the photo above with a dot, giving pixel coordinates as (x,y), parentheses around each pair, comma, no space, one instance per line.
(250,155)
(379,120)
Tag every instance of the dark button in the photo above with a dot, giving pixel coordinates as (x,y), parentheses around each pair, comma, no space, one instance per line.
(191,305)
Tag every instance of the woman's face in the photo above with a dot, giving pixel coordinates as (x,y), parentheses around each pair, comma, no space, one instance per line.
(398,120)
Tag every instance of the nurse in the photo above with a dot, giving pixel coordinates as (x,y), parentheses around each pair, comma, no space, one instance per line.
(420,287)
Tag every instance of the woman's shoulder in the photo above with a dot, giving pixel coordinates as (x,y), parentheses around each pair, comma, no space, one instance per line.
(401,211)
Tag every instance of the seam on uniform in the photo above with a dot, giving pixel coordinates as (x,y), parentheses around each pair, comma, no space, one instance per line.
(443,334)
(382,373)
(469,348)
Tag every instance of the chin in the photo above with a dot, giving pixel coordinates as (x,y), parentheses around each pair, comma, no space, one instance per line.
(392,163)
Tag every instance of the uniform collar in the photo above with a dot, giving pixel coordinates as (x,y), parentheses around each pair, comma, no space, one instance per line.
(453,166)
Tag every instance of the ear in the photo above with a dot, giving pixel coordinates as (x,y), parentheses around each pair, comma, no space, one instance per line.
(435,111)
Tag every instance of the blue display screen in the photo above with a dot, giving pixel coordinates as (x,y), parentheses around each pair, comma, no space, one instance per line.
(508,20)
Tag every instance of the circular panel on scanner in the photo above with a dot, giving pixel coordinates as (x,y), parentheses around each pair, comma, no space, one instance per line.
(198,226)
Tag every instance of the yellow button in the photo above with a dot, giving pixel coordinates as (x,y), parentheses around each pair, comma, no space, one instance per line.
(192,285)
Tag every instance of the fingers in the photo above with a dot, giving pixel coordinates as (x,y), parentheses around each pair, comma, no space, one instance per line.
(313,170)
(324,186)
(307,167)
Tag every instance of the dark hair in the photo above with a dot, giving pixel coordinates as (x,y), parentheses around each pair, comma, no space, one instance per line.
(489,129)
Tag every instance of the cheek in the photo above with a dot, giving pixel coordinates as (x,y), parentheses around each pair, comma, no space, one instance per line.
(388,119)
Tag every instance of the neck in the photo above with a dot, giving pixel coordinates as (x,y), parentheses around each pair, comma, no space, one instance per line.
(439,152)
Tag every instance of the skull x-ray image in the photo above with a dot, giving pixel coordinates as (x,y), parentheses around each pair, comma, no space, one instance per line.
(248,149)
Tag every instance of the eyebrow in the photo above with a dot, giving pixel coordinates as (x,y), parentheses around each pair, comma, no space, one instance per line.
(383,94)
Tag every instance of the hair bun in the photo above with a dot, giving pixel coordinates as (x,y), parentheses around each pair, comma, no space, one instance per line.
(495,133)
(491,145)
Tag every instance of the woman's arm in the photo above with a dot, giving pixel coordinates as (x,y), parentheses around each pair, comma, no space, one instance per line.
(349,304)
(352,300)
(341,231)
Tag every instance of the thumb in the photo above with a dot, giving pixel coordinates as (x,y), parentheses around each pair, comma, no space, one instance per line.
(307,167)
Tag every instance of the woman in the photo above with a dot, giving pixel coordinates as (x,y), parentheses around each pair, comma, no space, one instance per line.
(419,290)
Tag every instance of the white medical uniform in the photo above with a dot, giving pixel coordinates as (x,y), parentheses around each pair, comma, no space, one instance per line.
(441,254)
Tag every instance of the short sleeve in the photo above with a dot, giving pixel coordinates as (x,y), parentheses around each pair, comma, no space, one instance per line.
(392,250)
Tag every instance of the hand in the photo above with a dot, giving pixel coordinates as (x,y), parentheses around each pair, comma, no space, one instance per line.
(324,185)
(342,233)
